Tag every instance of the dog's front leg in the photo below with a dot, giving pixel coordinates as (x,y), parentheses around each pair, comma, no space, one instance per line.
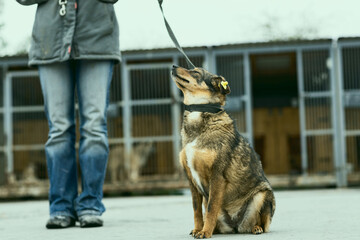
(197,206)
(196,197)
(216,194)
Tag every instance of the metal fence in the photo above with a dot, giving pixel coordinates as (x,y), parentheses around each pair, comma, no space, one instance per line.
(24,126)
(145,112)
(349,96)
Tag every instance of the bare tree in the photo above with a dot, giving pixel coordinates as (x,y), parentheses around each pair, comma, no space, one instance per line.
(23,46)
(272,30)
(2,41)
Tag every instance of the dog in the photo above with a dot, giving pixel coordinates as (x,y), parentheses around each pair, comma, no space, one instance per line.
(224,172)
(124,166)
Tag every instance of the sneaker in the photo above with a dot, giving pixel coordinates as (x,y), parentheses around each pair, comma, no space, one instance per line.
(87,221)
(60,222)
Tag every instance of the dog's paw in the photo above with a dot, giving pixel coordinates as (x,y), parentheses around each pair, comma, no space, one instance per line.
(194,232)
(203,234)
(257,230)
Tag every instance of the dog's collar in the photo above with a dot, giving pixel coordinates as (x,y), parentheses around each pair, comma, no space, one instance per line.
(209,108)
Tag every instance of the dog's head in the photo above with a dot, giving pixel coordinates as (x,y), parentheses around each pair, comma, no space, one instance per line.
(199,86)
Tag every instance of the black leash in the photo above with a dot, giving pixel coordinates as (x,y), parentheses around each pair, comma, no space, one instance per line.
(209,108)
(173,38)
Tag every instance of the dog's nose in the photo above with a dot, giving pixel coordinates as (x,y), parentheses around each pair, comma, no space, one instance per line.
(175,66)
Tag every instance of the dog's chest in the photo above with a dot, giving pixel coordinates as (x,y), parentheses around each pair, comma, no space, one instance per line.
(190,150)
(194,117)
(198,161)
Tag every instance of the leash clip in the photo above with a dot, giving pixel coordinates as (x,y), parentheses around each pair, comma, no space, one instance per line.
(62,4)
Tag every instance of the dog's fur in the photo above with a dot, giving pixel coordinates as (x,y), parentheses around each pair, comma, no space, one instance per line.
(224,172)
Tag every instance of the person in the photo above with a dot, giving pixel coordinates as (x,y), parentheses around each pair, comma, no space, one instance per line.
(75,44)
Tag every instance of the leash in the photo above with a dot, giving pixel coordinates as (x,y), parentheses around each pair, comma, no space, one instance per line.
(209,108)
(173,38)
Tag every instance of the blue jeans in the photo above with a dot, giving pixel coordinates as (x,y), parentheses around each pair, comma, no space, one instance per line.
(91,79)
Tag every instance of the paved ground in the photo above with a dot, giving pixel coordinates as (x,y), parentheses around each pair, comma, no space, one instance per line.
(311,214)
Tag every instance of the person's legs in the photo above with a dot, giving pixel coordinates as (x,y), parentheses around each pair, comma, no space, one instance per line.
(93,84)
(58,87)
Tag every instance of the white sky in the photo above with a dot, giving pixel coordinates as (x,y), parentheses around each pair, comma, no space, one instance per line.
(205,22)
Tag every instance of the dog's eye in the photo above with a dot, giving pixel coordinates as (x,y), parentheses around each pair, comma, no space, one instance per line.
(195,74)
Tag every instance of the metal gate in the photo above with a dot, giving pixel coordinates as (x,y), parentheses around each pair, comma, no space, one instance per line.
(236,69)
(318,118)
(25,127)
(348,55)
(150,117)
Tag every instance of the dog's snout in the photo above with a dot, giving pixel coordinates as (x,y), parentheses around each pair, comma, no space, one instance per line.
(175,66)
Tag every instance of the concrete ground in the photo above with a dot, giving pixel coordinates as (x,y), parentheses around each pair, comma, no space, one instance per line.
(310,214)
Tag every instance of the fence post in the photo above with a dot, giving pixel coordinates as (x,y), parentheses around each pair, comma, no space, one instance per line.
(176,121)
(249,109)
(300,75)
(337,86)
(126,95)
(3,136)
(210,60)
(8,126)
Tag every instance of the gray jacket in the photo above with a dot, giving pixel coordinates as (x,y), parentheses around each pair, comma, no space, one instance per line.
(88,30)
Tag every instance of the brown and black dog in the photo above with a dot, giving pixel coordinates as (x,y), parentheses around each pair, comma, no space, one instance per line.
(224,172)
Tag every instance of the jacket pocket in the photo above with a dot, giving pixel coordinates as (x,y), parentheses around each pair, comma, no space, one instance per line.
(109,1)
(30,2)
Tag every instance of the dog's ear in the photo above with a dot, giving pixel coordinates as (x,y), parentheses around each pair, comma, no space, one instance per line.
(221,85)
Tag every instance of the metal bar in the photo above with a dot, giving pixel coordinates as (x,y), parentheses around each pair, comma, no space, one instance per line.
(176,120)
(161,55)
(270,49)
(37,147)
(32,147)
(348,44)
(113,141)
(10,61)
(349,133)
(318,132)
(144,102)
(233,50)
(351,92)
(118,103)
(242,98)
(126,105)
(29,73)
(26,147)
(317,94)
(214,63)
(3,172)
(25,109)
(300,74)
(153,139)
(338,116)
(8,124)
(247,84)
(142,66)
(210,60)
